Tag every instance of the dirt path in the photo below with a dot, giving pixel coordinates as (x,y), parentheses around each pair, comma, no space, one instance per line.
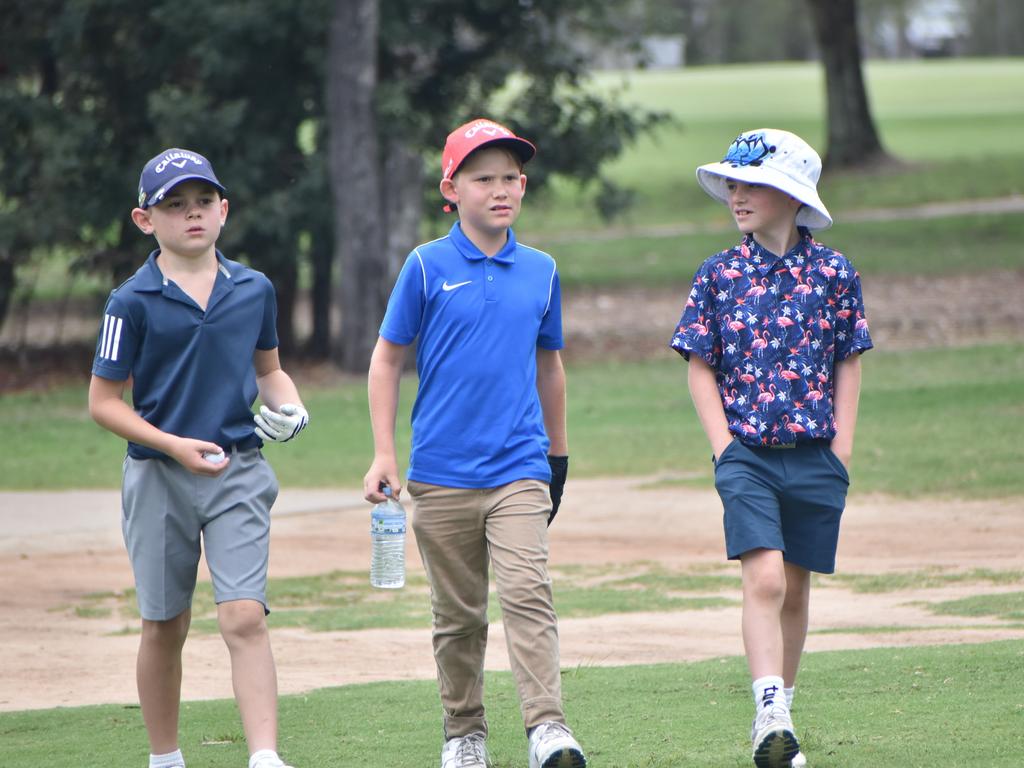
(68,546)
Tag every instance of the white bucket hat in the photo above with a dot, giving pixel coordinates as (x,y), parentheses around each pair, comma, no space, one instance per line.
(774,158)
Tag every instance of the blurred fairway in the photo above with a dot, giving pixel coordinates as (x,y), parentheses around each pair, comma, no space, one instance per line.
(624,419)
(952,123)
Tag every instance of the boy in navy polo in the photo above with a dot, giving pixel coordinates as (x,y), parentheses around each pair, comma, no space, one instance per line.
(196,334)
(489,447)
(773,330)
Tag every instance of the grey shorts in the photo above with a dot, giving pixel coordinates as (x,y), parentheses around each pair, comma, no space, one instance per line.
(791,500)
(164,511)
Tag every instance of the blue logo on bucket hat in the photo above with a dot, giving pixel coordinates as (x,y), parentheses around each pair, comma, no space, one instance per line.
(170,168)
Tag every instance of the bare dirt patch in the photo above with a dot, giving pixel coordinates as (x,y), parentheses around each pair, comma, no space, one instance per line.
(53,657)
(905,312)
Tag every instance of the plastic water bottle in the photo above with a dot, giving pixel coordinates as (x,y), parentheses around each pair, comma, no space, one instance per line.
(387,534)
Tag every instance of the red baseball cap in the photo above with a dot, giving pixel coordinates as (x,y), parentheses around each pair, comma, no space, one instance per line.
(476,134)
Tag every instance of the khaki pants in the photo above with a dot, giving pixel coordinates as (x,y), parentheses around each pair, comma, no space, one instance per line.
(457,531)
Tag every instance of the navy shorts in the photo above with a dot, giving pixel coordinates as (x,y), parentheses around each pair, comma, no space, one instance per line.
(788,499)
(169,515)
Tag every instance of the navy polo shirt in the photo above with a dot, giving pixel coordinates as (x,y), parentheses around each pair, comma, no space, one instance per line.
(477,421)
(192,370)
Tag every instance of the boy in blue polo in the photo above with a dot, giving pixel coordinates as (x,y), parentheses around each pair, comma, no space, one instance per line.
(196,334)
(773,330)
(489,447)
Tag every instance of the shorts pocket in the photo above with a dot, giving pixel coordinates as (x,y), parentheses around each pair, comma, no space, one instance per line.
(726,452)
(417,489)
(836,463)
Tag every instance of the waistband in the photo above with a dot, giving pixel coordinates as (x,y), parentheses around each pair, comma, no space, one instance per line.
(820,441)
(248,444)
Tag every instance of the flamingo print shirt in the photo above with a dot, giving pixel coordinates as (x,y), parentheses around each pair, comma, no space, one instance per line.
(773,328)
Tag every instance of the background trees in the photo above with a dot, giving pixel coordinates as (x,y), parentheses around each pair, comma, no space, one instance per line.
(852,136)
(90,90)
(328,141)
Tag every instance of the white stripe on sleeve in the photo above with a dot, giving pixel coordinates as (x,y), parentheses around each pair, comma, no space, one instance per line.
(111,337)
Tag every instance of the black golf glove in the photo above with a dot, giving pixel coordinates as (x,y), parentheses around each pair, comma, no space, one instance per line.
(559,471)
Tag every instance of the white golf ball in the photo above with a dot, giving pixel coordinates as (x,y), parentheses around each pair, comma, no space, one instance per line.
(214,458)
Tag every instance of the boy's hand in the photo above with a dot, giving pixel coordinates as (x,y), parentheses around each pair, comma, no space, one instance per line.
(192,455)
(382,472)
(559,471)
(843,453)
(280,426)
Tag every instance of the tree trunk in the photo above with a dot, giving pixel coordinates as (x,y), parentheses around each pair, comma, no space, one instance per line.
(285,277)
(8,283)
(320,255)
(353,163)
(402,183)
(852,138)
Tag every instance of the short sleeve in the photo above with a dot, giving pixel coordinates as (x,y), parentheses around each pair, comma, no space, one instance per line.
(268,330)
(404,314)
(117,341)
(851,328)
(697,330)
(550,334)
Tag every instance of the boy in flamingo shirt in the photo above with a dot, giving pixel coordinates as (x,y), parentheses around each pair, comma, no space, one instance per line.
(773,330)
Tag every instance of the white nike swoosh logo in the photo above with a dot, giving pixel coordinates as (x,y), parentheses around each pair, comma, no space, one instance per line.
(447,287)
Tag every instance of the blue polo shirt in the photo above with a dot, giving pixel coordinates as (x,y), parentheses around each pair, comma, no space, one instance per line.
(477,421)
(192,371)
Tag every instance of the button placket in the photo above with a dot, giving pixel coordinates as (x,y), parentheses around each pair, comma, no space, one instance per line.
(490,292)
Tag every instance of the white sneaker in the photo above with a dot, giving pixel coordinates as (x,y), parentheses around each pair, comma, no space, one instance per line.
(552,746)
(465,752)
(799,761)
(266,758)
(775,744)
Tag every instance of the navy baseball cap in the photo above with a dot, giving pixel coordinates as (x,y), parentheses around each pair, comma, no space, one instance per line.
(170,168)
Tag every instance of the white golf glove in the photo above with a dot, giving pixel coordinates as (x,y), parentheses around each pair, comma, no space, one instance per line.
(280,426)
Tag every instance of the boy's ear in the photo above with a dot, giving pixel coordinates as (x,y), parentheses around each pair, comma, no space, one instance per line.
(142,221)
(448,191)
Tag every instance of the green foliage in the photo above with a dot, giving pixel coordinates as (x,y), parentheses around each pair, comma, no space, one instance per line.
(90,90)
(912,707)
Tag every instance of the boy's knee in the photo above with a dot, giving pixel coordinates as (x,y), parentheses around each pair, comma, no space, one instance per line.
(241,620)
(167,631)
(767,586)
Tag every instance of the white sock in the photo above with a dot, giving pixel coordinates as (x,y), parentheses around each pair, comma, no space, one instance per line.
(170,760)
(765,690)
(264,754)
(789,696)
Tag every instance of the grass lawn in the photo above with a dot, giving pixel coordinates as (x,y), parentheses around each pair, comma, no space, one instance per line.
(938,248)
(344,600)
(948,123)
(912,707)
(624,419)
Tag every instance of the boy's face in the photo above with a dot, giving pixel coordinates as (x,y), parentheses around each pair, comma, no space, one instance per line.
(759,208)
(187,221)
(488,189)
